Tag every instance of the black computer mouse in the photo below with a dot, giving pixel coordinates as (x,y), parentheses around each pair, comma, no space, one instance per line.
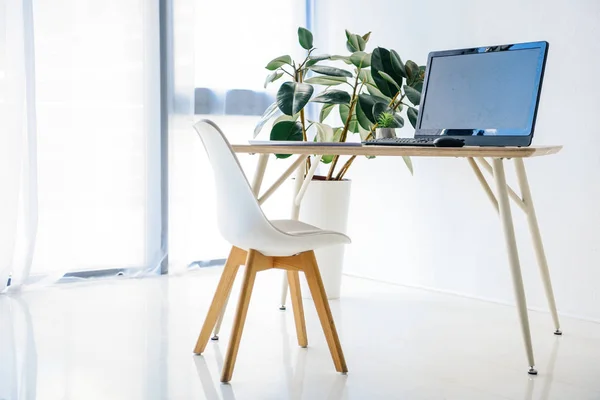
(448,141)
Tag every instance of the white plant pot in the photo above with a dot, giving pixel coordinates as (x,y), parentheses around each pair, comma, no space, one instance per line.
(325,205)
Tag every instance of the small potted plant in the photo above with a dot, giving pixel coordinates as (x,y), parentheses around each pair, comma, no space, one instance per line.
(386,126)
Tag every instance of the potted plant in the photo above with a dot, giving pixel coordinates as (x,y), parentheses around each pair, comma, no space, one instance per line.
(359,91)
(386,126)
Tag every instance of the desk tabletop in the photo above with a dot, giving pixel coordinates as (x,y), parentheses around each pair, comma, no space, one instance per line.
(467,151)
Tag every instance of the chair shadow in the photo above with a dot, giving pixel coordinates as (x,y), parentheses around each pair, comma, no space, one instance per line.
(206,379)
(294,375)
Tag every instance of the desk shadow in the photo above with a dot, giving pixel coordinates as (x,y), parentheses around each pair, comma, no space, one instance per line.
(18,369)
(547,379)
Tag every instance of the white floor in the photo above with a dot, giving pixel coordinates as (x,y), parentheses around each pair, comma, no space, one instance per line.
(133,339)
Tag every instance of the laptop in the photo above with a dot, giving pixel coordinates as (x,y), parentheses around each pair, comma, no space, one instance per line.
(486,96)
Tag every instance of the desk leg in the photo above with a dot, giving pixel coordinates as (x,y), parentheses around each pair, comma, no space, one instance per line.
(513,257)
(536,238)
(299,179)
(261,167)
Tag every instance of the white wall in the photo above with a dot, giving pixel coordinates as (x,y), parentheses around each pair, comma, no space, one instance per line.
(437,229)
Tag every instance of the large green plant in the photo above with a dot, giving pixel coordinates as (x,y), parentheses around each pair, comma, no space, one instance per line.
(370,85)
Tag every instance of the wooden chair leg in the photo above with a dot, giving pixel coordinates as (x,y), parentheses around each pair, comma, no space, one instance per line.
(220,298)
(240,316)
(315,283)
(296,296)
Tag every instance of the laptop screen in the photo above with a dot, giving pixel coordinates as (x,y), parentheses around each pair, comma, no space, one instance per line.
(488,91)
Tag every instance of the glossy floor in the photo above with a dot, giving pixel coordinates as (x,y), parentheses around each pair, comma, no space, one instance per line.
(133,339)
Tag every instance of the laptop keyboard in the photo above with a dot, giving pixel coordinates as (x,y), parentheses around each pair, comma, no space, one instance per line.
(401,142)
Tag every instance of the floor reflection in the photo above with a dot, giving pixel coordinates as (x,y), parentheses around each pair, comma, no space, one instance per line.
(18,369)
(294,371)
(548,377)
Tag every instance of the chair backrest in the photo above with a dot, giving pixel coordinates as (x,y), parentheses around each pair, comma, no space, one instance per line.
(240,218)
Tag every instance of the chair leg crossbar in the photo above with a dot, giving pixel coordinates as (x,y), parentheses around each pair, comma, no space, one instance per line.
(256,262)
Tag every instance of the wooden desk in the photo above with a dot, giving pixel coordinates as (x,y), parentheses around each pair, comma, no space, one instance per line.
(476,158)
(396,151)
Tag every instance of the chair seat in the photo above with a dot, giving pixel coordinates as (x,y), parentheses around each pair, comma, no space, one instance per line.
(299,237)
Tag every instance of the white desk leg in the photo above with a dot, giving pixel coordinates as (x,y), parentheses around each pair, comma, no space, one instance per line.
(536,238)
(256,184)
(513,257)
(299,179)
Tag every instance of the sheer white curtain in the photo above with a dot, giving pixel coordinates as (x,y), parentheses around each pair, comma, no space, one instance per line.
(18,199)
(234,40)
(80,139)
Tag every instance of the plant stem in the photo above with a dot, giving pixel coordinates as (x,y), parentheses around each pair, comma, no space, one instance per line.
(372,130)
(395,106)
(342,172)
(304,137)
(283,70)
(346,126)
(302,119)
(306,59)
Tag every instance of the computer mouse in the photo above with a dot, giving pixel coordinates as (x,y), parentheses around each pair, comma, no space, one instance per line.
(448,141)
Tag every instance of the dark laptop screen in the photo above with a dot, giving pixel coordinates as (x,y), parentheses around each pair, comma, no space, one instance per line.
(489,91)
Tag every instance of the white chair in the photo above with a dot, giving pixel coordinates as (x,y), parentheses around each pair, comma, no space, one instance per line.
(261,244)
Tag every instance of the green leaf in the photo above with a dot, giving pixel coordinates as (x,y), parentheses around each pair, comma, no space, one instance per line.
(320,57)
(374,91)
(286,130)
(413,95)
(326,159)
(272,77)
(378,109)
(413,115)
(366,103)
(333,97)
(364,133)
(418,86)
(409,164)
(345,59)
(325,111)
(344,110)
(325,80)
(412,71)
(365,76)
(397,64)
(292,97)
(331,71)
(355,42)
(278,62)
(337,134)
(348,34)
(399,121)
(361,59)
(305,38)
(361,116)
(270,112)
(324,133)
(390,80)
(381,62)
(366,36)
(284,117)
